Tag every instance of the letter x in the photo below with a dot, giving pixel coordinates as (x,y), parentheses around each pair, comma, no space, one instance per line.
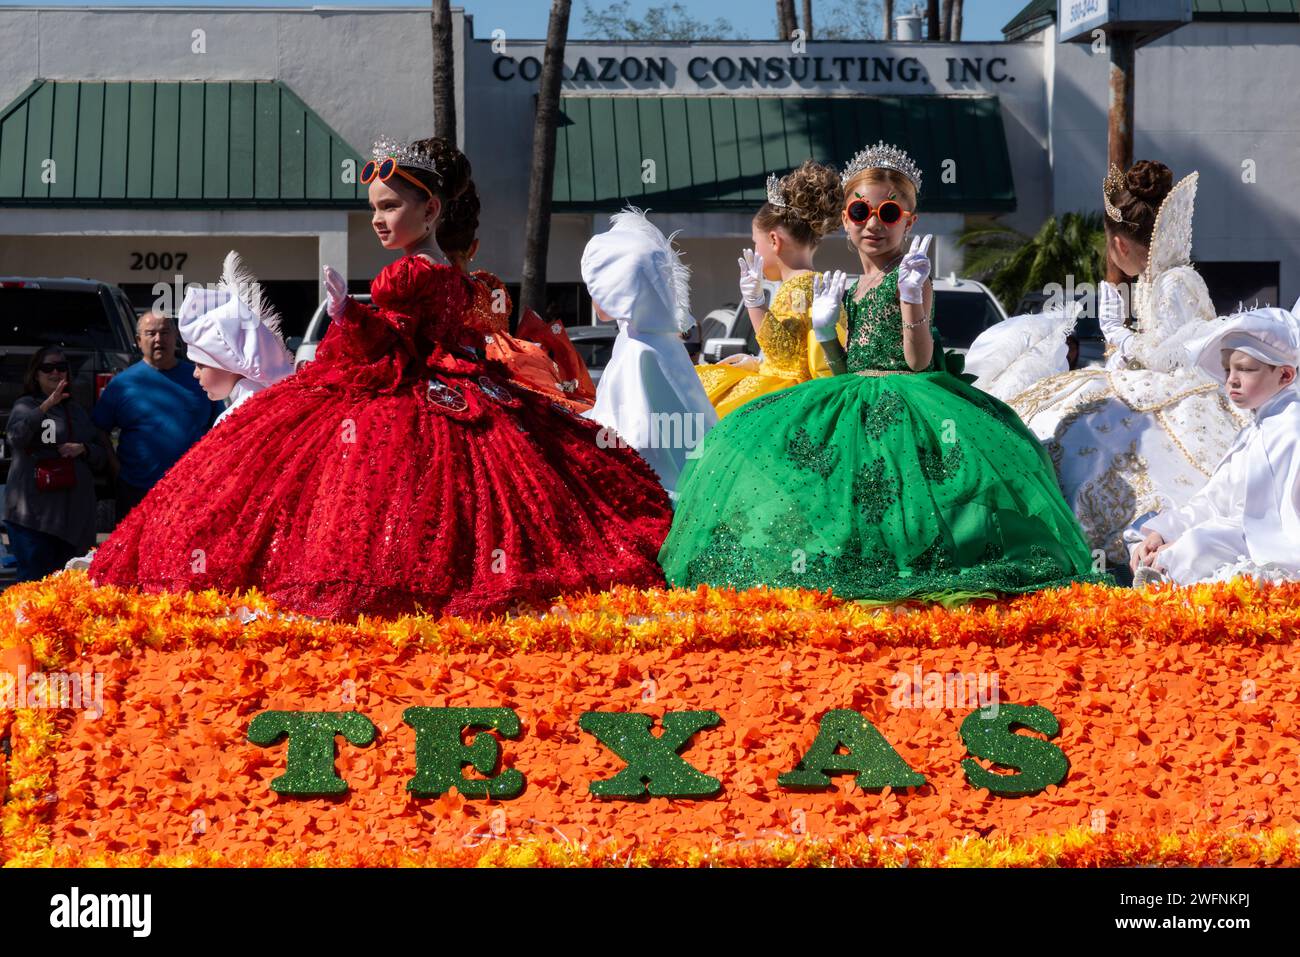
(651,760)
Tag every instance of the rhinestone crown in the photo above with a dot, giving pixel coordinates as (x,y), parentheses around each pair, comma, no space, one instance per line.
(774,194)
(882,156)
(406,154)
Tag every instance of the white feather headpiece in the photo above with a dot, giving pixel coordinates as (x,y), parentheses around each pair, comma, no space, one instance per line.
(676,275)
(236,277)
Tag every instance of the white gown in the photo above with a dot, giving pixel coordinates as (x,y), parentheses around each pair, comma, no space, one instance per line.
(1010,356)
(1143,434)
(1246,520)
(649,393)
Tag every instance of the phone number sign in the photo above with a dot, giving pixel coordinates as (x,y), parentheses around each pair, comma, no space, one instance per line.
(1078,19)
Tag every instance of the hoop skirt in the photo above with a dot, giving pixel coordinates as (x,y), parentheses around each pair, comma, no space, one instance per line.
(397,473)
(883,486)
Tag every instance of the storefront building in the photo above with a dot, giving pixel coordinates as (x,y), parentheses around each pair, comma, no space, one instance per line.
(140,144)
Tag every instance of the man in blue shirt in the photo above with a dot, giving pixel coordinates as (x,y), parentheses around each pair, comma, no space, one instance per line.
(160,408)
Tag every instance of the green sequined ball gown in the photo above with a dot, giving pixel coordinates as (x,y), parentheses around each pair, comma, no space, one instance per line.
(880,484)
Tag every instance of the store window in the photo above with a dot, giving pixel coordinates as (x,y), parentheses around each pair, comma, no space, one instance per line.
(1241,285)
(566,302)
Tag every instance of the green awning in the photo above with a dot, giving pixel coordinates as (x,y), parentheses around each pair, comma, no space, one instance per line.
(714,152)
(179,145)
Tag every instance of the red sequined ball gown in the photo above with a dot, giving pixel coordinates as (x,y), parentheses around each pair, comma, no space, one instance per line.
(397,473)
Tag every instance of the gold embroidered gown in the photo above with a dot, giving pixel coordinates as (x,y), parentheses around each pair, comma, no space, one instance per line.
(1144,433)
(790,351)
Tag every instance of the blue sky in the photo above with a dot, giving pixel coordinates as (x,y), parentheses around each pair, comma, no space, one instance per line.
(982,19)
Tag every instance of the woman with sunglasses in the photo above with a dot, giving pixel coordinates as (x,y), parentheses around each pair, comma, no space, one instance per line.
(801,208)
(400,471)
(50,491)
(892,481)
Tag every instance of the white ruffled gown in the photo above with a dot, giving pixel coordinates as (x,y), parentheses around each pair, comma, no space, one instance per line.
(1145,433)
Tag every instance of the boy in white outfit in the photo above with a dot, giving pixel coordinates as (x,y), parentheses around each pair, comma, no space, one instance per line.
(1246,520)
(232,336)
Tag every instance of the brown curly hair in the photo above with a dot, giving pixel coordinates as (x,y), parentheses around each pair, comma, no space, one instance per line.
(813,197)
(453,171)
(458,224)
(1146,185)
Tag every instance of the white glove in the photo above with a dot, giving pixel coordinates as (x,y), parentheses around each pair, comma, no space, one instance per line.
(336,292)
(1110,316)
(751,278)
(914,270)
(828,293)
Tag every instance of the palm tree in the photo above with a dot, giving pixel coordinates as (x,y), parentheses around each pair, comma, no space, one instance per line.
(954,32)
(785,19)
(444,81)
(807,20)
(537,227)
(889,19)
(1012,264)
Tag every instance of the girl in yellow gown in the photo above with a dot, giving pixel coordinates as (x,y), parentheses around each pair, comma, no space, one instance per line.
(801,208)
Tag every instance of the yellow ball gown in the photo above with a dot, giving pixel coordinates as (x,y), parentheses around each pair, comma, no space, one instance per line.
(791,353)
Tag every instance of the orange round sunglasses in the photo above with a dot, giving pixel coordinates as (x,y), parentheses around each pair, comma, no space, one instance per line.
(890,212)
(384,169)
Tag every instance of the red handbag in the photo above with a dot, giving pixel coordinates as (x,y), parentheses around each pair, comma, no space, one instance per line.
(55,474)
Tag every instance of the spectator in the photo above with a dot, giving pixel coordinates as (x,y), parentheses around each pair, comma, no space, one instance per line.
(159,407)
(50,491)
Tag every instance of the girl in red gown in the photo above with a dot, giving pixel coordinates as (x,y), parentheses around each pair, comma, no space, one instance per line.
(398,472)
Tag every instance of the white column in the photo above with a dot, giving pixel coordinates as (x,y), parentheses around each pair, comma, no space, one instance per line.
(333,245)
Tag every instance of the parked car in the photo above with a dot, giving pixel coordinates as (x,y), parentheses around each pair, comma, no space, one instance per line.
(595,344)
(304,347)
(963,308)
(727,330)
(92,322)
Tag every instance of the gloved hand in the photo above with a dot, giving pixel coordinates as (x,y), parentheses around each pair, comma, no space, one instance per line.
(828,293)
(914,270)
(751,278)
(1111,315)
(336,292)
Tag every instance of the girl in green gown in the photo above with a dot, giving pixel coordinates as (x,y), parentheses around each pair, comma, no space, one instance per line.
(893,479)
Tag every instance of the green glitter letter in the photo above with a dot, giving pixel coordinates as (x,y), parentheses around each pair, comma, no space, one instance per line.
(653,764)
(309,767)
(877,763)
(1038,762)
(441,753)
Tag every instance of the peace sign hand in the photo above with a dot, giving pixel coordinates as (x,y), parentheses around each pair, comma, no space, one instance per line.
(914,270)
(751,278)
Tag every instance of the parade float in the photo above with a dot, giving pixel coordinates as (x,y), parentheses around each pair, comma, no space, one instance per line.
(1086,726)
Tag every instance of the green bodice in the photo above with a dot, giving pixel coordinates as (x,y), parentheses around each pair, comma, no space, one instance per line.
(876,328)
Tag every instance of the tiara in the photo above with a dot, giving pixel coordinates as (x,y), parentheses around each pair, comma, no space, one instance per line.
(774,194)
(409,155)
(882,156)
(1114,182)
